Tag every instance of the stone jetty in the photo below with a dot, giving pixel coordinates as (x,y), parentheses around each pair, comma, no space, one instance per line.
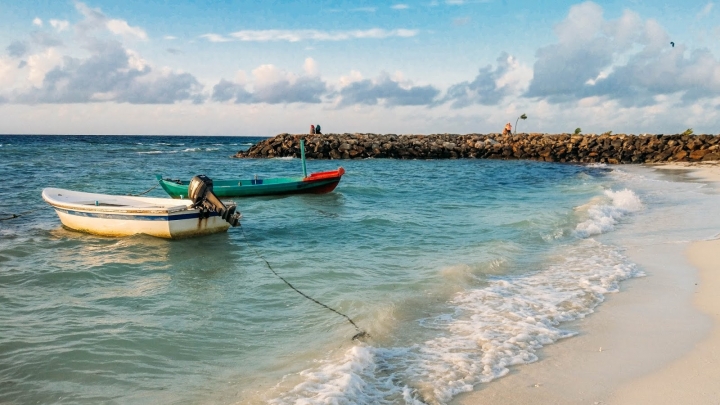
(572,148)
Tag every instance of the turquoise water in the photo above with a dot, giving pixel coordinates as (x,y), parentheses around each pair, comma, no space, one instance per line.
(458,269)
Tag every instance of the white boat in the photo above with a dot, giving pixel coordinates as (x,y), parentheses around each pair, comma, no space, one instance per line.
(119,215)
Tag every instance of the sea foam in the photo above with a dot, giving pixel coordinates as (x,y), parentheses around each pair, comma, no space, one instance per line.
(602,216)
(488,330)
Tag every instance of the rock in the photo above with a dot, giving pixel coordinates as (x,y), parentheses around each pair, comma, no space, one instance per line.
(612,149)
(698,154)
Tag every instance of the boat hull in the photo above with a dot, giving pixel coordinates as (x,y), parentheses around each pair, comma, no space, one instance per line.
(117,216)
(174,226)
(316,183)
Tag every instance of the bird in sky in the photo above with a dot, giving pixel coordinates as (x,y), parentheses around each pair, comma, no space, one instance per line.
(673,44)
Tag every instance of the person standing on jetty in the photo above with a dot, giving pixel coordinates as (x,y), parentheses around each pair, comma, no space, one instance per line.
(508,129)
(312,129)
(317,129)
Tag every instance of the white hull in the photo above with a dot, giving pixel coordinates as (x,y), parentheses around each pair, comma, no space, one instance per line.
(114,215)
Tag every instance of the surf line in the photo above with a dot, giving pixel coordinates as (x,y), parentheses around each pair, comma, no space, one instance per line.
(361,334)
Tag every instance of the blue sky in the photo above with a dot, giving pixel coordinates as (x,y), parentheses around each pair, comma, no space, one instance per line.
(262,68)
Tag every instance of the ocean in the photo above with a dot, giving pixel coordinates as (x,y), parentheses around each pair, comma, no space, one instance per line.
(459,270)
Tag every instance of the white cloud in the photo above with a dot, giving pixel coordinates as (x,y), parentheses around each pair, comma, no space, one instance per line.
(215,38)
(310,67)
(272,85)
(400,7)
(95,19)
(59,25)
(268,74)
(241,77)
(169,37)
(490,86)
(8,67)
(706,10)
(364,9)
(121,27)
(388,91)
(627,59)
(314,35)
(353,77)
(38,22)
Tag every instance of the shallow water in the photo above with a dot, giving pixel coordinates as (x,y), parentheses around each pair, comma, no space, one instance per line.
(458,270)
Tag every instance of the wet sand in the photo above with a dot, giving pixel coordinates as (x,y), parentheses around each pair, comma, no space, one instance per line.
(658,342)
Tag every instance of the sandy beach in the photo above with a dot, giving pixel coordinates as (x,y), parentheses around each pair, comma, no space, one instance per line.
(657,342)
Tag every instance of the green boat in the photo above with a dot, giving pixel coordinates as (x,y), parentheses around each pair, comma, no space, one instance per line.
(317,183)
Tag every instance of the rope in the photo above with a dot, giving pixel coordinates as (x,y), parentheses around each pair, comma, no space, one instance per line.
(361,333)
(146,191)
(20,214)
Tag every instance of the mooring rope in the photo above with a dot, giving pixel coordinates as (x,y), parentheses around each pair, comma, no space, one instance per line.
(146,191)
(361,333)
(20,214)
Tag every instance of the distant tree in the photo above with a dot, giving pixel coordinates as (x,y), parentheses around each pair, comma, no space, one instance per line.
(522,117)
(688,131)
(578,131)
(608,133)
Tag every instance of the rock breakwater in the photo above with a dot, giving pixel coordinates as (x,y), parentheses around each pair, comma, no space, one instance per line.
(591,148)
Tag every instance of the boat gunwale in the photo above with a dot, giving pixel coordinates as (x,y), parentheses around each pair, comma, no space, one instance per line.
(227,188)
(157,210)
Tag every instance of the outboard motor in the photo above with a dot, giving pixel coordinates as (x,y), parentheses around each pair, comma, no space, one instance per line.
(200,191)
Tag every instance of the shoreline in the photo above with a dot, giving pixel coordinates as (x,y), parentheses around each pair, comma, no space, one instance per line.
(657,342)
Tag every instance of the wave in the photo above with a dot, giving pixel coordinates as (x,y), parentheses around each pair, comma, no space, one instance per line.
(603,216)
(488,330)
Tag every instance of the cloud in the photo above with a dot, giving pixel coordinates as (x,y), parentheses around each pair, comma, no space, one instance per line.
(111,73)
(169,37)
(45,40)
(400,7)
(486,89)
(627,59)
(17,49)
(59,25)
(364,9)
(310,67)
(174,51)
(274,86)
(705,10)
(95,19)
(226,90)
(37,22)
(305,35)
(215,38)
(385,89)
(121,27)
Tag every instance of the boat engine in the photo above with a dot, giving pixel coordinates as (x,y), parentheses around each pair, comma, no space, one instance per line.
(200,191)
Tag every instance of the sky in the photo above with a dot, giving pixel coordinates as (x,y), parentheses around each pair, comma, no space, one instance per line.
(248,68)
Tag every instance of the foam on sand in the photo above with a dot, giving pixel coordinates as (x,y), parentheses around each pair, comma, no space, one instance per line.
(490,329)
